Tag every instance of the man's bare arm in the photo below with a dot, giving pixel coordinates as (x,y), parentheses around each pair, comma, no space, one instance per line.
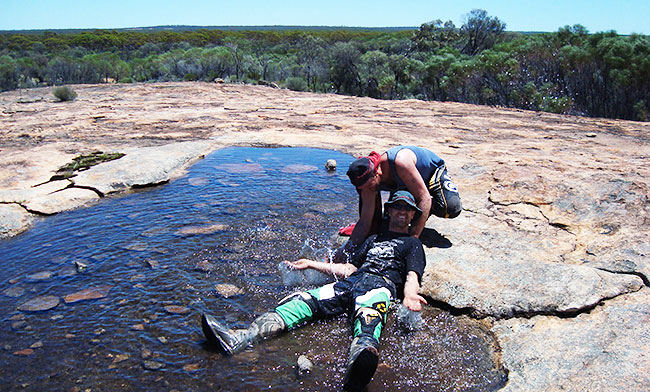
(406,170)
(412,300)
(341,270)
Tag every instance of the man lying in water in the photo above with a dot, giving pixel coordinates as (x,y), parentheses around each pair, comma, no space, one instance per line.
(386,266)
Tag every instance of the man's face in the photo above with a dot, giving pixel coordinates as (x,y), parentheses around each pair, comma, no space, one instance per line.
(401,214)
(372,184)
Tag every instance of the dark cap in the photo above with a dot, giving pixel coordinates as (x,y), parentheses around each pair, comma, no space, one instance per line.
(360,171)
(407,198)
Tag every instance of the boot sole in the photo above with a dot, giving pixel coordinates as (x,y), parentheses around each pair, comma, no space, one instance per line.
(362,370)
(212,337)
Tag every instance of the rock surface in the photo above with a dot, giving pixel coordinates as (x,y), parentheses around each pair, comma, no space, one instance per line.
(556,208)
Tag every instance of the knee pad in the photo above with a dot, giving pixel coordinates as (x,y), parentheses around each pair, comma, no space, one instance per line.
(368,322)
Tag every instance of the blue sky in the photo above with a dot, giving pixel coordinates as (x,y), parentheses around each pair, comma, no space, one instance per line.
(624,16)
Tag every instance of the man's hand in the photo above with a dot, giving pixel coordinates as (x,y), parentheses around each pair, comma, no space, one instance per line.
(299,264)
(414,303)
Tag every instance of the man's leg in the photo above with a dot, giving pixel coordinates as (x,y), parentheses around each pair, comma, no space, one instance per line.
(445,200)
(371,308)
(233,341)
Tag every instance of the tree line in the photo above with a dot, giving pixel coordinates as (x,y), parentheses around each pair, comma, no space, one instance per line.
(568,71)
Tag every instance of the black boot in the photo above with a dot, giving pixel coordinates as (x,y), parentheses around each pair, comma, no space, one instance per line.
(362,363)
(233,341)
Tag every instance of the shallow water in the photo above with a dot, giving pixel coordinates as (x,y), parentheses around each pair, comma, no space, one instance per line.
(162,251)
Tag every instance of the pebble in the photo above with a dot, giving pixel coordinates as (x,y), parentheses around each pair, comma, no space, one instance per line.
(152,263)
(25,352)
(38,344)
(330,165)
(162,339)
(153,365)
(121,358)
(80,267)
(176,309)
(86,294)
(191,367)
(14,292)
(304,365)
(42,303)
(137,327)
(228,290)
(39,276)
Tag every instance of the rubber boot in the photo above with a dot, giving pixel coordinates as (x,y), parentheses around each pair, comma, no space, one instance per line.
(362,363)
(363,357)
(233,341)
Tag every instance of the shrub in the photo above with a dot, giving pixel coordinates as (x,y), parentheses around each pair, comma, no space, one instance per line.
(64,93)
(296,84)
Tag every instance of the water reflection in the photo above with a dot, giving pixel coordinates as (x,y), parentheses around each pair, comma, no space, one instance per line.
(209,241)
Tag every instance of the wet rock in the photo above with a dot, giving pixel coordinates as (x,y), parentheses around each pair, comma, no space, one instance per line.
(121,358)
(67,272)
(603,350)
(330,165)
(191,367)
(38,304)
(80,267)
(137,246)
(14,219)
(298,169)
(243,168)
(38,344)
(142,166)
(16,325)
(153,365)
(137,327)
(162,339)
(198,181)
(196,230)
(39,276)
(64,200)
(204,266)
(176,309)
(304,365)
(152,263)
(88,294)
(228,290)
(15,291)
(24,353)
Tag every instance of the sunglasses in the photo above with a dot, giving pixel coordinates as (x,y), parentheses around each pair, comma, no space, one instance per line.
(402,207)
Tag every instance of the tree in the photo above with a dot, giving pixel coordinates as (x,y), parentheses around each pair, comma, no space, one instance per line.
(480,32)
(344,74)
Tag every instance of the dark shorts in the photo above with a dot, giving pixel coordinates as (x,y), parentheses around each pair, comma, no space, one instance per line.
(445,200)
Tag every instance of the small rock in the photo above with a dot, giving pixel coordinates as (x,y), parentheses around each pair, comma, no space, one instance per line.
(137,327)
(191,367)
(80,267)
(38,344)
(39,276)
(153,365)
(16,325)
(330,165)
(24,353)
(304,365)
(204,266)
(591,134)
(70,336)
(56,317)
(228,290)
(86,294)
(298,169)
(196,230)
(42,303)
(120,358)
(17,317)
(152,263)
(146,353)
(162,339)
(177,309)
(198,181)
(99,331)
(14,292)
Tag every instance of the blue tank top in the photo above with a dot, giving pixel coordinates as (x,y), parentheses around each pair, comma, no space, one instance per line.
(427,163)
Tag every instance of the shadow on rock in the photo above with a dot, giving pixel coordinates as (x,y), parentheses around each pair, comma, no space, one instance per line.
(432,239)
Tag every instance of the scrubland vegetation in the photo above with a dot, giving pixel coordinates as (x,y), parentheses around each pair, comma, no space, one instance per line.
(568,71)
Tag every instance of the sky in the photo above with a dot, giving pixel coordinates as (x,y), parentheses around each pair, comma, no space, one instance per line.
(623,16)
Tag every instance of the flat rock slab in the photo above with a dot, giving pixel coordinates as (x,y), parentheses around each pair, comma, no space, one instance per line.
(38,304)
(14,219)
(604,350)
(64,200)
(142,166)
(86,294)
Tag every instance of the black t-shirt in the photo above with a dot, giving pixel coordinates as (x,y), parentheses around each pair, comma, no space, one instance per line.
(392,255)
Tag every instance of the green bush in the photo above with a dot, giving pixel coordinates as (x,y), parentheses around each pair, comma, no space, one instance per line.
(296,84)
(64,93)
